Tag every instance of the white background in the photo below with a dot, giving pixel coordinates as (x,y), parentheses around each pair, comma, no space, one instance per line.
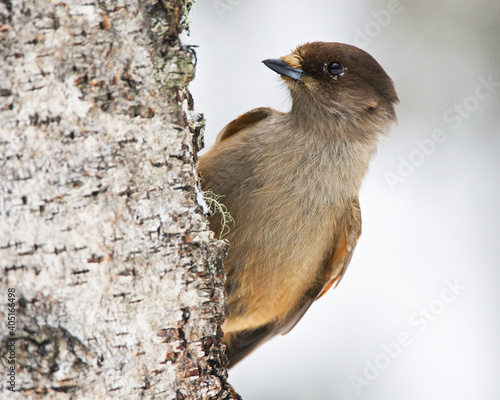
(439,223)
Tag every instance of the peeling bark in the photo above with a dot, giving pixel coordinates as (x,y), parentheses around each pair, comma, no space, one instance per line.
(118,284)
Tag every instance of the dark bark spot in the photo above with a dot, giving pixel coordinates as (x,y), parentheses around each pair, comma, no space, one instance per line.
(95,259)
(14,267)
(83,271)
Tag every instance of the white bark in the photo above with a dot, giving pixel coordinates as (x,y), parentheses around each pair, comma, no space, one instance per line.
(118,284)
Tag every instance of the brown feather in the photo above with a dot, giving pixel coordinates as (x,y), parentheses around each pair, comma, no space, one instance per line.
(242,343)
(244,121)
(336,267)
(345,248)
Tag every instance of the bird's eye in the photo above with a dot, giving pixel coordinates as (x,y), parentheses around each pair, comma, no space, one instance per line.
(336,68)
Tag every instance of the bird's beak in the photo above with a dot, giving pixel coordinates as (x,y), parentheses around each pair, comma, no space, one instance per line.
(283,68)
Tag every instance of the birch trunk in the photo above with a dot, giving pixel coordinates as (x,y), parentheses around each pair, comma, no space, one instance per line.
(110,283)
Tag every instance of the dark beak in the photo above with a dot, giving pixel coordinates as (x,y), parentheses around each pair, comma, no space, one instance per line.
(283,68)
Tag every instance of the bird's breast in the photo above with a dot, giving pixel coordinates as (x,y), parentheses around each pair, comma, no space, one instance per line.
(287,210)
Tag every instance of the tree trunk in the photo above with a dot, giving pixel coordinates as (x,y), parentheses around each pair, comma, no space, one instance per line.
(111,285)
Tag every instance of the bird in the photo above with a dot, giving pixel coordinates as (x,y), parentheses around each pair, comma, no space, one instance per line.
(290,182)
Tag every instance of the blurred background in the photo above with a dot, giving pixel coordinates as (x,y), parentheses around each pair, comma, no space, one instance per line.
(417,315)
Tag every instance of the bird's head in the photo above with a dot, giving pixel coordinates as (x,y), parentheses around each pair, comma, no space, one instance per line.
(339,80)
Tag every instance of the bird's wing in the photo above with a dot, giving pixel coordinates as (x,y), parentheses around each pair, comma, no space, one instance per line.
(347,238)
(245,121)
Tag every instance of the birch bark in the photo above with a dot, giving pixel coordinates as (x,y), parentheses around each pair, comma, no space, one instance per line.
(116,286)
